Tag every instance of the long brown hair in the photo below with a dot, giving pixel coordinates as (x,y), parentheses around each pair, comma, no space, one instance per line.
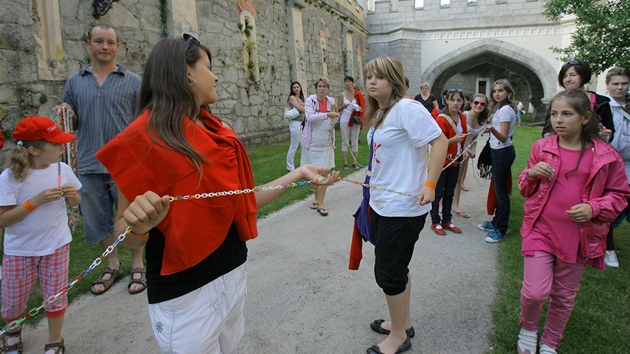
(581,103)
(392,70)
(166,92)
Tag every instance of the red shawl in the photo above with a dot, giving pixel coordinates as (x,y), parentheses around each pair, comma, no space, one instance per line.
(195,228)
(358,98)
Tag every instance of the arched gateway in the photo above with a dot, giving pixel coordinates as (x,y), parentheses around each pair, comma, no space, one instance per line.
(469,44)
(534,78)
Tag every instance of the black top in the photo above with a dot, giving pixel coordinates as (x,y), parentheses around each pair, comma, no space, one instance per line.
(230,255)
(601,108)
(428,104)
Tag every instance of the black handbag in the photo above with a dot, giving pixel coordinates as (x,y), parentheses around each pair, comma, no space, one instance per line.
(484,162)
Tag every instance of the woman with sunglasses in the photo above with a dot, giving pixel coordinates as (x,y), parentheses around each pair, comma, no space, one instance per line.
(453,125)
(195,248)
(574,74)
(501,129)
(476,117)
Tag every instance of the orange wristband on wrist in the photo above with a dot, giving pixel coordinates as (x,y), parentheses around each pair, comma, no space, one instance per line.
(29,206)
(430,185)
(133,234)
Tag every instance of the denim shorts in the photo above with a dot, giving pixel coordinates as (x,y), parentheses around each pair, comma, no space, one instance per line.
(99,196)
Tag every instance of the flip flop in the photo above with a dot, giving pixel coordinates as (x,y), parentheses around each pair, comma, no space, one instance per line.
(314,205)
(322,211)
(462,213)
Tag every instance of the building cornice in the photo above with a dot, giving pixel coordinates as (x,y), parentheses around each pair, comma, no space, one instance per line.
(469,33)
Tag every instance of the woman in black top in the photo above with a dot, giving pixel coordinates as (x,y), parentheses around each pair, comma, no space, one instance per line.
(574,74)
(426,98)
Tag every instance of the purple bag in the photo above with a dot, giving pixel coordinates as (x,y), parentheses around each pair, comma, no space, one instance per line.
(362,215)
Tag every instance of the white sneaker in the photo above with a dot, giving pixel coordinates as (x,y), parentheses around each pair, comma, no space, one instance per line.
(610,258)
(527,342)
(545,349)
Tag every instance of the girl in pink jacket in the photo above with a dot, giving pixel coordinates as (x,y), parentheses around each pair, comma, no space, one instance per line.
(575,187)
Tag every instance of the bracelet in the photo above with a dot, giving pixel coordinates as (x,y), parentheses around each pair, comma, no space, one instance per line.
(135,235)
(29,206)
(430,185)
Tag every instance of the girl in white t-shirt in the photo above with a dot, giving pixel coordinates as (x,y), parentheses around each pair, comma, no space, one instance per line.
(34,191)
(400,132)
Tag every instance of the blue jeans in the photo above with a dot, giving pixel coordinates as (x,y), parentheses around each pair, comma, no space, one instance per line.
(502,160)
(445,188)
(99,196)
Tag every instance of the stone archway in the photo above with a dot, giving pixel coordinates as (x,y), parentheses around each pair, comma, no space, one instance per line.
(533,69)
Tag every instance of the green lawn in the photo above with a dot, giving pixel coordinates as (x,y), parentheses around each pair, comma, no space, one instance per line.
(600,322)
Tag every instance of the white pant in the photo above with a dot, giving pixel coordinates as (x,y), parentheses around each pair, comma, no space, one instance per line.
(208,320)
(350,134)
(294,128)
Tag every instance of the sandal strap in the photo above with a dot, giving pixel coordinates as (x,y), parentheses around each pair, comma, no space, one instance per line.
(59,347)
(17,346)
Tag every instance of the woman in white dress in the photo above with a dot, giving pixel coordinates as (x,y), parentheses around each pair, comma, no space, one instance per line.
(318,135)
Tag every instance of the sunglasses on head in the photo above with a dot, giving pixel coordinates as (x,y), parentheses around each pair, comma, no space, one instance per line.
(573,62)
(189,38)
(479,103)
(454,90)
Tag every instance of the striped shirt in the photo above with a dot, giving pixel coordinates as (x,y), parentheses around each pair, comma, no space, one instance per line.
(102,111)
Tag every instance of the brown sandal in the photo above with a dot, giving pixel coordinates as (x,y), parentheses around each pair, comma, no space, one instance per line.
(314,205)
(322,211)
(58,347)
(107,283)
(15,347)
(142,280)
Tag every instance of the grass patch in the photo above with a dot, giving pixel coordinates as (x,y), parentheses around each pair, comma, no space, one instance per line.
(600,319)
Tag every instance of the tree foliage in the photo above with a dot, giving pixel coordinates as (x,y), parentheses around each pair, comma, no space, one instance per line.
(602,36)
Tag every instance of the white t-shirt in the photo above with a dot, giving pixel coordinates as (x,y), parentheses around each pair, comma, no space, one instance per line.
(504,114)
(44,229)
(347,112)
(400,159)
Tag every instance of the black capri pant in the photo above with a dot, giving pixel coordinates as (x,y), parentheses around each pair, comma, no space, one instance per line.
(395,238)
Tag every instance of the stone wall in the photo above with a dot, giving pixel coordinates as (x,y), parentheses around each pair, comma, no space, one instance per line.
(32,80)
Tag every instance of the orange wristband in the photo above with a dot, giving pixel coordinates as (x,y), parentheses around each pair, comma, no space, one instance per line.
(133,234)
(29,206)
(430,185)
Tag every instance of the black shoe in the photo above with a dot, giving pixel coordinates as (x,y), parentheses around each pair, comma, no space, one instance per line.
(403,347)
(376,327)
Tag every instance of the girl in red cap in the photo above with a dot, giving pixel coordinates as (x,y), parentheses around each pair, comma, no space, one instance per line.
(34,191)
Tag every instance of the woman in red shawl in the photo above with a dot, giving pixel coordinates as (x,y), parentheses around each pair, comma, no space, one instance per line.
(195,249)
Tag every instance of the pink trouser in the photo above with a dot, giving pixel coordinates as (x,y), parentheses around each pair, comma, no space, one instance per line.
(544,276)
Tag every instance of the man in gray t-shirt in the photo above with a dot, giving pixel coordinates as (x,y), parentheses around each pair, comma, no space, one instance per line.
(103,97)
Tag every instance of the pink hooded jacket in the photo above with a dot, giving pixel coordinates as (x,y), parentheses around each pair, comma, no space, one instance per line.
(606,191)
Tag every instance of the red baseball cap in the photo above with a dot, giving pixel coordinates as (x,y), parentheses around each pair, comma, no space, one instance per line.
(40,128)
